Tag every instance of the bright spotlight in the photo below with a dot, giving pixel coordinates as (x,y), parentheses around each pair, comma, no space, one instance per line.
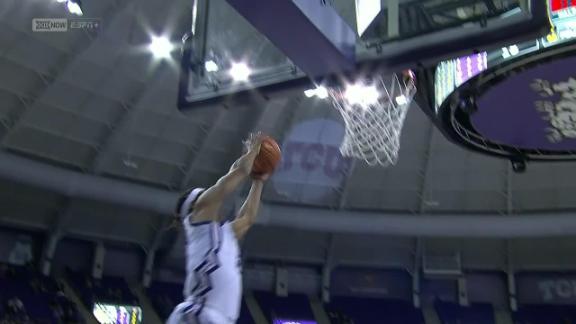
(160,47)
(61,1)
(320,92)
(401,100)
(514,50)
(240,72)
(310,93)
(74,7)
(211,66)
(361,94)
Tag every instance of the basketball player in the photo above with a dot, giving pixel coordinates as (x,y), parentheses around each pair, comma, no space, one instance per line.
(213,287)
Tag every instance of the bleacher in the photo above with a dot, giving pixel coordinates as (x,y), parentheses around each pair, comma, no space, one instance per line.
(294,306)
(545,314)
(106,290)
(45,303)
(41,298)
(450,313)
(165,296)
(372,310)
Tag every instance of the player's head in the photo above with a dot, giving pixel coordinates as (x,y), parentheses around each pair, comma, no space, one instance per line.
(186,202)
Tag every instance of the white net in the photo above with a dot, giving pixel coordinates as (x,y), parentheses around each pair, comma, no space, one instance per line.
(374,113)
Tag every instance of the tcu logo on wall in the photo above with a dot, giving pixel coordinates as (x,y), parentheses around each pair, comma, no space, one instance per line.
(560,289)
(559,107)
(311,155)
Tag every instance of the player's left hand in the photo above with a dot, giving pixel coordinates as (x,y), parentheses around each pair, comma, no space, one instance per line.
(261,177)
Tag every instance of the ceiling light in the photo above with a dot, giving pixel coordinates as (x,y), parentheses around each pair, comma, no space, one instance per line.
(240,72)
(160,47)
(211,66)
(74,7)
(514,50)
(310,93)
(361,94)
(61,1)
(320,92)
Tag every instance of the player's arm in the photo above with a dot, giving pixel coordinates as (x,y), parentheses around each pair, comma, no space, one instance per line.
(249,211)
(213,197)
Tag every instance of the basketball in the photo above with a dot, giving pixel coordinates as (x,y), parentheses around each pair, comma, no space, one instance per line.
(268,157)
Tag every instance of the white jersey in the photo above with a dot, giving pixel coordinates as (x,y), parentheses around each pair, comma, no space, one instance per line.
(213,268)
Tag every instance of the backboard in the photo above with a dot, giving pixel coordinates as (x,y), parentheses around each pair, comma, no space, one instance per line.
(297,44)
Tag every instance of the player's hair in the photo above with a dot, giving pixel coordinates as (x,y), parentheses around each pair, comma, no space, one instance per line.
(183,200)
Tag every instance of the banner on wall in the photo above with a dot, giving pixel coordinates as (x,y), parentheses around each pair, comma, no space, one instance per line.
(546,288)
(311,156)
(487,287)
(393,284)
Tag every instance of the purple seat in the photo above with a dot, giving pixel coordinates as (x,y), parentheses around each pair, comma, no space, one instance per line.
(106,290)
(36,292)
(295,306)
(165,296)
(373,310)
(545,314)
(450,313)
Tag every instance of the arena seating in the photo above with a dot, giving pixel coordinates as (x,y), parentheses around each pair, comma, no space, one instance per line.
(295,306)
(108,289)
(165,296)
(450,313)
(41,298)
(371,310)
(545,314)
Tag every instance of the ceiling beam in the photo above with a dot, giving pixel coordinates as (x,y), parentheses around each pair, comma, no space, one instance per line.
(509,197)
(80,47)
(130,104)
(117,124)
(193,157)
(423,191)
(346,183)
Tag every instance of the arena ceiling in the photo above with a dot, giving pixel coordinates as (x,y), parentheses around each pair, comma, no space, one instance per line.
(98,104)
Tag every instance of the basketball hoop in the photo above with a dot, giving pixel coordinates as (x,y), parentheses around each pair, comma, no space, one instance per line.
(374,113)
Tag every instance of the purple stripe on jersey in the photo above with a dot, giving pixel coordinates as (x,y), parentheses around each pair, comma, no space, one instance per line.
(209,265)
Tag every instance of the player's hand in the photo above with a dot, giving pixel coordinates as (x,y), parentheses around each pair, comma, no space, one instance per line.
(253,142)
(261,177)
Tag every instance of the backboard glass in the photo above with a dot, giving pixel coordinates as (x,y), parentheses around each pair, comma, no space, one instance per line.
(401,35)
